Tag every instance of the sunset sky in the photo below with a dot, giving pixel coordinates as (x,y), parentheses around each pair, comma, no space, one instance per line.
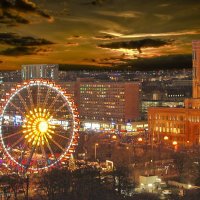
(96,32)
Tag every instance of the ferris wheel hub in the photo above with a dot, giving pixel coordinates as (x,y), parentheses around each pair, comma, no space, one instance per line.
(43,126)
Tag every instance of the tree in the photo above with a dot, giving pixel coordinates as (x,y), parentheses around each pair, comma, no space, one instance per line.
(121,180)
(179,160)
(56,183)
(86,183)
(14,182)
(143,196)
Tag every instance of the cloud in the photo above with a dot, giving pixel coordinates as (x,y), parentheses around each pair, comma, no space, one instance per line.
(12,19)
(19,51)
(166,34)
(23,51)
(75,37)
(71,44)
(23,45)
(97,2)
(104,37)
(164,17)
(124,14)
(137,44)
(16,40)
(17,11)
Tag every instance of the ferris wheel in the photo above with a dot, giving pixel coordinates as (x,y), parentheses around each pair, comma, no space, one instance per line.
(38,125)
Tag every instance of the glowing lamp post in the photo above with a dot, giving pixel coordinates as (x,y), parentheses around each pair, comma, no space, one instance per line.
(114,137)
(175,143)
(166,138)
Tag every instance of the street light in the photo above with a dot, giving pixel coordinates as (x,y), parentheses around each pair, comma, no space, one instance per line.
(95,150)
(166,138)
(114,137)
(175,143)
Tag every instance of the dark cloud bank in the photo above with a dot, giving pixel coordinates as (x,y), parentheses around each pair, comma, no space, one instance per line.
(13,12)
(21,45)
(138,44)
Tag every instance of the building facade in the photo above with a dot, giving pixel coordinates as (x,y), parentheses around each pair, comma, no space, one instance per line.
(37,71)
(117,102)
(179,126)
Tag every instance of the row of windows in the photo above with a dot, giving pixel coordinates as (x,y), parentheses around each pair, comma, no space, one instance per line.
(168,117)
(93,104)
(169,130)
(103,118)
(176,118)
(170,125)
(92,85)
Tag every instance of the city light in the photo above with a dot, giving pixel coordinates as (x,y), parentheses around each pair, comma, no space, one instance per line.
(37,130)
(114,137)
(43,126)
(189,186)
(166,138)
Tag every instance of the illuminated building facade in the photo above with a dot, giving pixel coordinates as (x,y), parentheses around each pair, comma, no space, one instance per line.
(146,104)
(36,71)
(179,126)
(108,101)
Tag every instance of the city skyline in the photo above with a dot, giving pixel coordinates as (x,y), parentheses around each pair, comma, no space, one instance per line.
(98,32)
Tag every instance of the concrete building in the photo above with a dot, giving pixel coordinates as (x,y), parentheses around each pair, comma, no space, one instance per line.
(106,105)
(37,71)
(108,101)
(179,126)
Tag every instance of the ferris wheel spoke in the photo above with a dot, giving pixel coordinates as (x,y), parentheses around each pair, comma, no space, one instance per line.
(62,136)
(58,145)
(23,152)
(17,142)
(17,108)
(30,157)
(54,101)
(49,147)
(23,102)
(59,109)
(44,153)
(30,97)
(33,150)
(46,97)
(12,134)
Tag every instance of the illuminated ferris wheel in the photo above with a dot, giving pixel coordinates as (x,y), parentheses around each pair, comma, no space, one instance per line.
(39,125)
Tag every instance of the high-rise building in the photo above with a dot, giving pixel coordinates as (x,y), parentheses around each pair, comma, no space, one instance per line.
(179,126)
(37,71)
(108,101)
(196,68)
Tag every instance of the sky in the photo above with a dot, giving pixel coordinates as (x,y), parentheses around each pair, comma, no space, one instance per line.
(98,32)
